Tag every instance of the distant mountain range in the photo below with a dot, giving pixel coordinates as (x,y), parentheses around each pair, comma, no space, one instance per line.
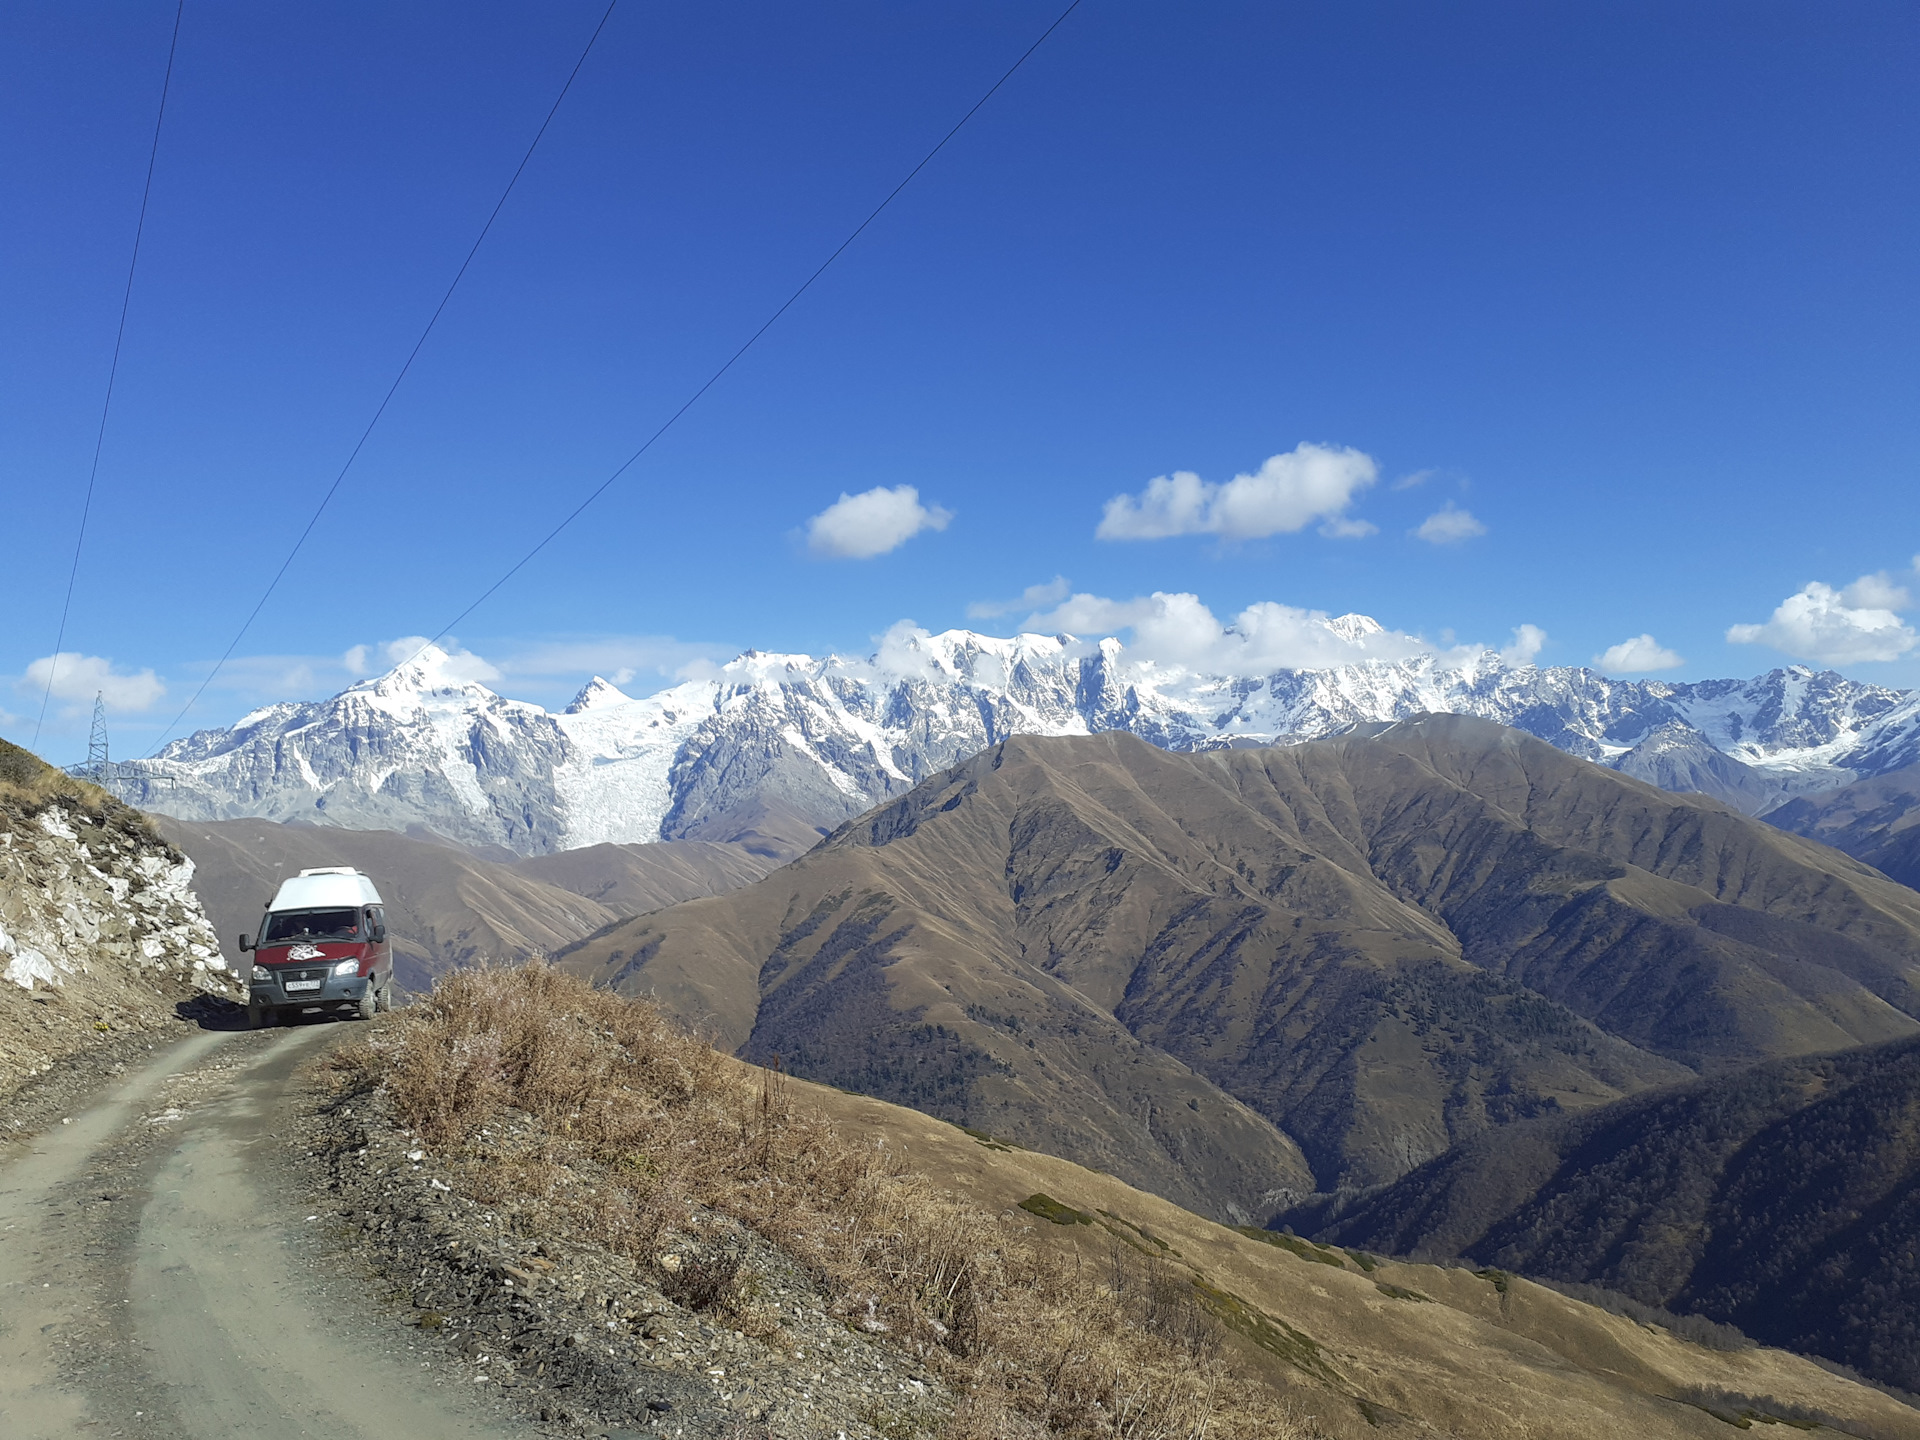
(779,749)
(1238,977)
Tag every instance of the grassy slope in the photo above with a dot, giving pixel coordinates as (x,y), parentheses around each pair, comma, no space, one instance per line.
(576,1115)
(1477,1360)
(1876,821)
(1784,1200)
(1381,944)
(633,879)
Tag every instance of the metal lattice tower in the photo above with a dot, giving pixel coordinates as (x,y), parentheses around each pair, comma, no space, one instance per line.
(97,760)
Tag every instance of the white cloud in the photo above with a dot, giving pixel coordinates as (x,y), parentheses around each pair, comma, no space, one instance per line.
(1287,493)
(461,666)
(1879,591)
(1417,478)
(78,678)
(1347,527)
(1449,525)
(1032,598)
(1528,641)
(355,660)
(1177,630)
(1637,656)
(618,657)
(1837,627)
(859,527)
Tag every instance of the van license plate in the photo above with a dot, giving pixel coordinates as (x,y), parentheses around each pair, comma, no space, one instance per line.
(293,985)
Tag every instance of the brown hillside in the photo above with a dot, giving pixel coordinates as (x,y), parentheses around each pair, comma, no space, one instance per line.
(1784,1199)
(633,879)
(1876,821)
(448,905)
(445,905)
(766,1252)
(1377,944)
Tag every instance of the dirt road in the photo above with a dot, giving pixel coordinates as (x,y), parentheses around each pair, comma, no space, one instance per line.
(161,1275)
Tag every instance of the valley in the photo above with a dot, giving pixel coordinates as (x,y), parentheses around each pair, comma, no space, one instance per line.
(1328,961)
(1784,1199)
(1430,988)
(452,905)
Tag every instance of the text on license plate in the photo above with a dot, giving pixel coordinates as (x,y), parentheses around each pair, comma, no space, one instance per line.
(293,985)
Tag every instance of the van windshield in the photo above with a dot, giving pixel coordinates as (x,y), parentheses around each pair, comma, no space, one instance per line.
(285,925)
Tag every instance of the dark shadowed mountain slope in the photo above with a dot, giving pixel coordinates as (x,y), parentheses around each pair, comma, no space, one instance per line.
(447,905)
(1784,1200)
(1876,821)
(1379,944)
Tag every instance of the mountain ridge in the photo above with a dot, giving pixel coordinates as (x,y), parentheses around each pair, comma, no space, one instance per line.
(786,747)
(1784,1199)
(1373,945)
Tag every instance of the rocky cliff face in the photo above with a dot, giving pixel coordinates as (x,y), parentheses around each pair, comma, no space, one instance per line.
(100,933)
(791,745)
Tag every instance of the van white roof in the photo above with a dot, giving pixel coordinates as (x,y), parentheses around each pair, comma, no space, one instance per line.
(322,889)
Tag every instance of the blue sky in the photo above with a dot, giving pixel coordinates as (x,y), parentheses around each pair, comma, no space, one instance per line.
(1633,286)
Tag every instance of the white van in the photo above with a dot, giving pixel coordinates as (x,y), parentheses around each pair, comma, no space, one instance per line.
(323,948)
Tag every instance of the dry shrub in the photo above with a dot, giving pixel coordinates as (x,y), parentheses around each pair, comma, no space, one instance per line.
(636,1122)
(29,785)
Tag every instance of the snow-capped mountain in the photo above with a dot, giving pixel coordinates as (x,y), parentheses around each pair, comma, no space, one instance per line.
(802,743)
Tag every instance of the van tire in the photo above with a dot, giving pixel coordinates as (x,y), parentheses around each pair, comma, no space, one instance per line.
(369,1002)
(384,1002)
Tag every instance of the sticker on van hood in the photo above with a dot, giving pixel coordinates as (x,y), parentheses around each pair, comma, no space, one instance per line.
(304,951)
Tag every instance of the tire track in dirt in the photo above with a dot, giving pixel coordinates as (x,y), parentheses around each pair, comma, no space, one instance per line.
(160,1275)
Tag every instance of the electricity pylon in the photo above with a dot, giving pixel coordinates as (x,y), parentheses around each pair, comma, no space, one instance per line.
(97,760)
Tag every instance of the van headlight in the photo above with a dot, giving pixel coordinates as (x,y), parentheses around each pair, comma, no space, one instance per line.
(260,972)
(346,967)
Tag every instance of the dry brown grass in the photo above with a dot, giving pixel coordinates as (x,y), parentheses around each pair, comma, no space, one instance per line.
(635,1121)
(28,784)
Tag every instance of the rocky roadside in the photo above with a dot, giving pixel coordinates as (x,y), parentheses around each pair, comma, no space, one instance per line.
(101,935)
(721,1335)
(65,1085)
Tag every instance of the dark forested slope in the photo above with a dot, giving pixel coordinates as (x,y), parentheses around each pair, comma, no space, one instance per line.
(1784,1199)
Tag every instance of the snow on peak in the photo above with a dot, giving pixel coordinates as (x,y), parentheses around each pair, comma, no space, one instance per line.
(596,694)
(829,735)
(1355,628)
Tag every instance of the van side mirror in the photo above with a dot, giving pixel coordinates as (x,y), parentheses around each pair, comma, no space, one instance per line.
(246,942)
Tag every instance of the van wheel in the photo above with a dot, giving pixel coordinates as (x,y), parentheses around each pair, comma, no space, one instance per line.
(369,1002)
(385,1002)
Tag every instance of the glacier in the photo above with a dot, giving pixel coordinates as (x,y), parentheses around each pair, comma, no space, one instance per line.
(781,748)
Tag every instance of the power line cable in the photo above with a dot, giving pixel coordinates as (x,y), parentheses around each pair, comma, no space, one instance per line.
(113,372)
(386,399)
(788,304)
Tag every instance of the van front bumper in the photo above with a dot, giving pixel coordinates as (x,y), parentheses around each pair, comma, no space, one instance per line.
(288,989)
